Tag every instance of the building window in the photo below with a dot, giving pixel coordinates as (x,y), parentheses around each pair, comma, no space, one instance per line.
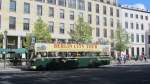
(112,34)
(111,11)
(105,21)
(132,37)
(62,2)
(81,4)
(72,4)
(137,26)
(132,26)
(142,17)
(97,32)
(137,16)
(97,20)
(90,18)
(132,51)
(137,38)
(12,22)
(39,10)
(126,25)
(142,37)
(71,27)
(146,17)
(104,10)
(105,33)
(126,14)
(26,24)
(51,26)
(111,22)
(62,28)
(142,27)
(149,51)
(118,13)
(148,39)
(138,51)
(51,1)
(40,0)
(62,15)
(26,7)
(51,12)
(97,8)
(131,15)
(71,15)
(89,6)
(118,23)
(12,6)
(143,50)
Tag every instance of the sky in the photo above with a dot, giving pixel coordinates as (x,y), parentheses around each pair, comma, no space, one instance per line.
(136,3)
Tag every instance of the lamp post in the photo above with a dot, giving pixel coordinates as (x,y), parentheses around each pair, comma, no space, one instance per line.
(5,46)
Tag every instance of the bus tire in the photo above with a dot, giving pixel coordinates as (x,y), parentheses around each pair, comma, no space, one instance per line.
(40,67)
(92,64)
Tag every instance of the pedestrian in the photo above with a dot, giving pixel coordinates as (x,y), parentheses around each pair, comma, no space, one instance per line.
(124,58)
(119,59)
(145,58)
(142,56)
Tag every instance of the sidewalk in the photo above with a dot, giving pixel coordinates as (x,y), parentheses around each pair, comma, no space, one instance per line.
(7,68)
(131,62)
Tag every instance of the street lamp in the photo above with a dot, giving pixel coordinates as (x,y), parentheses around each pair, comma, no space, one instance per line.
(5,46)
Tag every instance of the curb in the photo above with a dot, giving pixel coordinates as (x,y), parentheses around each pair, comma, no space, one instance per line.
(9,70)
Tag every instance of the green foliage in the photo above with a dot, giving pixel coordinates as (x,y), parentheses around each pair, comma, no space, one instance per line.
(121,39)
(1,40)
(82,32)
(41,31)
(27,41)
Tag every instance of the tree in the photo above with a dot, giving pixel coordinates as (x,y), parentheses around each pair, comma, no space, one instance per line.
(121,40)
(27,41)
(41,32)
(1,40)
(82,32)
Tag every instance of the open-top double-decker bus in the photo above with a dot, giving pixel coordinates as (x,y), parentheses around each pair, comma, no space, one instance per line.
(68,56)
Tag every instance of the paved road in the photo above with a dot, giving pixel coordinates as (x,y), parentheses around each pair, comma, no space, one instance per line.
(103,75)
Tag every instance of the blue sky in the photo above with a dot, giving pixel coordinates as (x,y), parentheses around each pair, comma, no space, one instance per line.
(132,2)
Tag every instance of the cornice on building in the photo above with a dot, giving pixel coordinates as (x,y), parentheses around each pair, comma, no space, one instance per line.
(134,9)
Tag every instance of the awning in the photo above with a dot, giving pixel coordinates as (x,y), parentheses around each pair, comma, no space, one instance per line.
(1,50)
(21,50)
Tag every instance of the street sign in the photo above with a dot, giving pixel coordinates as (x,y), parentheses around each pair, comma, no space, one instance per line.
(33,40)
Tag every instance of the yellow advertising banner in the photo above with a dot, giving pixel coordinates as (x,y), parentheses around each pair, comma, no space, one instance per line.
(42,47)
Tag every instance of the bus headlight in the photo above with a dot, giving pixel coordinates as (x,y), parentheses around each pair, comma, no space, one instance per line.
(33,67)
(34,60)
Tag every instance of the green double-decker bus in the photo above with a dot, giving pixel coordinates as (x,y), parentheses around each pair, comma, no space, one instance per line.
(69,56)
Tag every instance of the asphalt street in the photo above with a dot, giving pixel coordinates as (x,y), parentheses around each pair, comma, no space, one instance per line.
(104,75)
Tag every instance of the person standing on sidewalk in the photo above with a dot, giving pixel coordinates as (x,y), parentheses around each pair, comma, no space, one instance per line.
(145,58)
(124,58)
(119,59)
(142,56)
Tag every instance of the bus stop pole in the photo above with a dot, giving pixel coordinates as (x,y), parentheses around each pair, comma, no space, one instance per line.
(5,46)
(4,61)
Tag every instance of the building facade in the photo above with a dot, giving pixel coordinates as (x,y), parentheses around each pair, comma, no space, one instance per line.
(17,17)
(148,41)
(136,22)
